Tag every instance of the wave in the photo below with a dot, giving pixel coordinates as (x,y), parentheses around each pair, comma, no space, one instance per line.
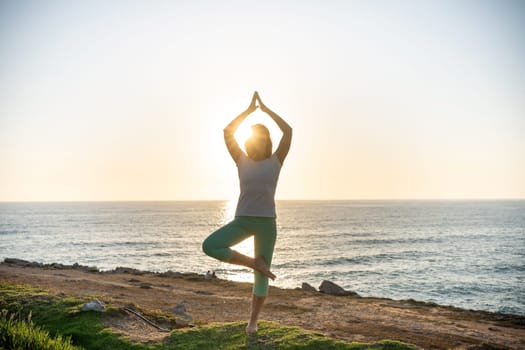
(385,241)
(12,232)
(354,260)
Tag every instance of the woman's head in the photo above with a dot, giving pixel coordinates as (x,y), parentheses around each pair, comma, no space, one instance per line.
(259,144)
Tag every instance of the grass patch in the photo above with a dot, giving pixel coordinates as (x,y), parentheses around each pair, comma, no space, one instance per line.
(22,334)
(271,335)
(58,318)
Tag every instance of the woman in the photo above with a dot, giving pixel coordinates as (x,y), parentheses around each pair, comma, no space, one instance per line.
(255,214)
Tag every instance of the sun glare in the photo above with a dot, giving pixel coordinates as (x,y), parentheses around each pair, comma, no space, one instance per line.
(243,133)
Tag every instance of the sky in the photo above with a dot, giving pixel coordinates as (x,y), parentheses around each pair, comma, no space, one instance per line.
(127,100)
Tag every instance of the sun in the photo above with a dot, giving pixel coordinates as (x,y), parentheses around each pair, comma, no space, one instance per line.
(243,133)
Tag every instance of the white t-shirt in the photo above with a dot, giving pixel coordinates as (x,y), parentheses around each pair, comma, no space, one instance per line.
(257,180)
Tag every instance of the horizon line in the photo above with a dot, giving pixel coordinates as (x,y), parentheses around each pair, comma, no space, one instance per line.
(277,200)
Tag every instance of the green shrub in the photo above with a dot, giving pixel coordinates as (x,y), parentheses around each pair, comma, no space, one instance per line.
(20,334)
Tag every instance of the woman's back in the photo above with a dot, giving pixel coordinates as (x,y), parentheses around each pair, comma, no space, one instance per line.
(257,181)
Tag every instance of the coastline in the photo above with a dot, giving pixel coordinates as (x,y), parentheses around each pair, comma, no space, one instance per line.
(348,318)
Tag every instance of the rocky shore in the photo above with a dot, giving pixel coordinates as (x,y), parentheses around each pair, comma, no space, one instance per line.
(331,310)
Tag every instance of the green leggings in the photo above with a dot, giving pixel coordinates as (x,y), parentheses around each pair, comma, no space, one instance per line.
(264,232)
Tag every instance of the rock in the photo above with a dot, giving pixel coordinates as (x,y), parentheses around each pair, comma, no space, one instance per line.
(183,322)
(95,305)
(121,269)
(77,266)
(15,261)
(331,288)
(52,266)
(58,266)
(23,263)
(170,273)
(307,287)
(180,310)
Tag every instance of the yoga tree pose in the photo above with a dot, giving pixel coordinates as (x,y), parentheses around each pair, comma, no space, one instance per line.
(255,214)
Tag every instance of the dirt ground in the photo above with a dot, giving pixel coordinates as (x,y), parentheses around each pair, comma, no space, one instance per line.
(344,317)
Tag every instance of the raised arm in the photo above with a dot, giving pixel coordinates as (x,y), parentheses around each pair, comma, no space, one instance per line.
(286,140)
(229,130)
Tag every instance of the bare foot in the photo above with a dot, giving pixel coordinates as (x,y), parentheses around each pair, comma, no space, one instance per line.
(260,265)
(251,329)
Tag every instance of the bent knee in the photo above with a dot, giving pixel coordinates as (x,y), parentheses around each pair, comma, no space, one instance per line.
(207,247)
(217,252)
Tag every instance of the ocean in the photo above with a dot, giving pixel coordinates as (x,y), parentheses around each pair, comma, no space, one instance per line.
(469,254)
